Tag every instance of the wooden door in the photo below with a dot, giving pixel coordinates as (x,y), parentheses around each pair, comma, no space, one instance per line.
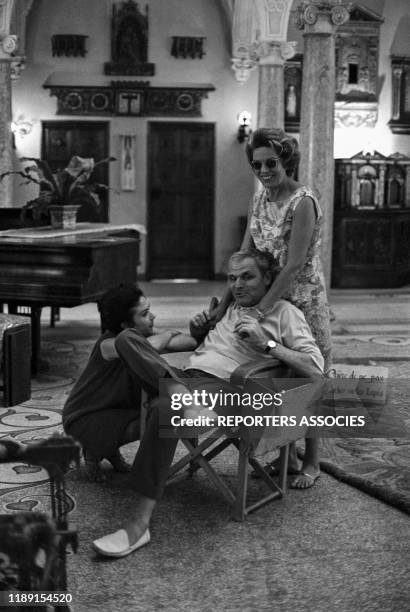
(180,200)
(63,139)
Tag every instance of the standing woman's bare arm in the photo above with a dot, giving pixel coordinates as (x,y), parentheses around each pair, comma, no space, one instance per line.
(304,219)
(247,241)
(226,299)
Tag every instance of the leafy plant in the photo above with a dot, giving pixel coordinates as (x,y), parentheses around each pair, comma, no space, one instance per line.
(72,185)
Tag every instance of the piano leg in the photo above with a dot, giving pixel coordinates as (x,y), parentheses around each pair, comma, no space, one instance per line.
(35,338)
(54,315)
(34,312)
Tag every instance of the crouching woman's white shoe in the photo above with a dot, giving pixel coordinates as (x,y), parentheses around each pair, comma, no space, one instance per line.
(117,544)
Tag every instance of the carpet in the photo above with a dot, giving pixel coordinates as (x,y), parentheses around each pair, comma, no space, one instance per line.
(349,556)
(375,465)
(378,466)
(25,487)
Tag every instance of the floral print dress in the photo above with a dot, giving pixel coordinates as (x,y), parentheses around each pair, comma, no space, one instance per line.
(270,229)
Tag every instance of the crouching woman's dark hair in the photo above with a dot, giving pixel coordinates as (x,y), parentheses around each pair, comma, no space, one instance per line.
(115,306)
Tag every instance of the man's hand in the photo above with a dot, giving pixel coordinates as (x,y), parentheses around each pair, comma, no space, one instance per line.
(249,330)
(200,324)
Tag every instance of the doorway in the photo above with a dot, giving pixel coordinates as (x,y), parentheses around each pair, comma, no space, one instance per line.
(63,139)
(181,161)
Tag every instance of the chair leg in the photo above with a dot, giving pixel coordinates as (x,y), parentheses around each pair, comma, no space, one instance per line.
(239,511)
(283,467)
(212,475)
(193,464)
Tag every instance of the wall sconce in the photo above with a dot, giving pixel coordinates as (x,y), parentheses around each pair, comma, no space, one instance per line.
(244,129)
(22,127)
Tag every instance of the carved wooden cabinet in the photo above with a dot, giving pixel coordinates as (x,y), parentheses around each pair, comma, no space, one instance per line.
(371,235)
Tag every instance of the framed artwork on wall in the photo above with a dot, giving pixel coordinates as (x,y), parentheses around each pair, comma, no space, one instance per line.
(293,93)
(400,121)
(127,157)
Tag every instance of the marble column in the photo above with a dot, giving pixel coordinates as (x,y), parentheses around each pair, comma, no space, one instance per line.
(6,146)
(319,21)
(271,102)
(8,47)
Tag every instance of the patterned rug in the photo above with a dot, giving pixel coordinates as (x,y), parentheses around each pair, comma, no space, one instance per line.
(381,467)
(25,487)
(378,466)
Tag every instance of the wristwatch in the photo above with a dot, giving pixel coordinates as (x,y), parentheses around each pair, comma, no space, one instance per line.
(271,344)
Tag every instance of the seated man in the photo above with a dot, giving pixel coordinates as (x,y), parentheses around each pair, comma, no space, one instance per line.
(238,338)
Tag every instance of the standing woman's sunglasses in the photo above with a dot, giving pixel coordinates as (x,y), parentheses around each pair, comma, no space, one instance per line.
(270,163)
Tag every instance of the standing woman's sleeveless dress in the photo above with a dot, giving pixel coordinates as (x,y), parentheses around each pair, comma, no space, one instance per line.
(270,229)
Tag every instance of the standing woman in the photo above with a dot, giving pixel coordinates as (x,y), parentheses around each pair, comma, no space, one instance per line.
(285,219)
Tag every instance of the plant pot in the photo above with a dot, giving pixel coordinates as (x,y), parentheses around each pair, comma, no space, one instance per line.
(64,217)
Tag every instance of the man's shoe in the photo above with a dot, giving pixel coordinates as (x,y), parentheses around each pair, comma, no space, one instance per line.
(119,463)
(117,544)
(93,467)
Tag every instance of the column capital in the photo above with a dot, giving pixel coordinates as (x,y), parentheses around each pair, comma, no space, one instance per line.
(273,53)
(397,71)
(321,16)
(242,67)
(18,64)
(8,45)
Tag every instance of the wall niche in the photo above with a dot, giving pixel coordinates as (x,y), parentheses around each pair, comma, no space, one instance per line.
(129,41)
(357,58)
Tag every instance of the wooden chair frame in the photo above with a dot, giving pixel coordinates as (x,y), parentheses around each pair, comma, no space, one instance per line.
(201,453)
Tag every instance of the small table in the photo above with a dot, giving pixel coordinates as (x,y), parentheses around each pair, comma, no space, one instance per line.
(64,268)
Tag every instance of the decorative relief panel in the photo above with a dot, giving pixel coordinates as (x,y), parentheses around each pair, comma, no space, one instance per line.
(372,181)
(357,53)
(372,221)
(400,121)
(84,100)
(69,45)
(130,98)
(129,41)
(6,7)
(188,46)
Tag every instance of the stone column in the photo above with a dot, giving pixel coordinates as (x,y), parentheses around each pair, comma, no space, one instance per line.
(319,21)
(8,46)
(6,141)
(271,103)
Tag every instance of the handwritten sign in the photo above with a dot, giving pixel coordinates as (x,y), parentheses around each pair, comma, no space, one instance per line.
(352,383)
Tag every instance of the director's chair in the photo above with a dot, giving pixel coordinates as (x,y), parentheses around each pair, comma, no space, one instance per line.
(251,442)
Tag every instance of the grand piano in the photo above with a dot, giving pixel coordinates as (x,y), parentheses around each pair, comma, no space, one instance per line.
(43,267)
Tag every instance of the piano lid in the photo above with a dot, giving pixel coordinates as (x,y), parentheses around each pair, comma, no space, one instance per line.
(81,228)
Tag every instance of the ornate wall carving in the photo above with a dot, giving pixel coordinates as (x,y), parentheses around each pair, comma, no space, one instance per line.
(130,98)
(129,41)
(372,220)
(357,53)
(259,28)
(400,121)
(19,16)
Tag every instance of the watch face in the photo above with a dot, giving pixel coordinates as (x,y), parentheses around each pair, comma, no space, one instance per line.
(270,345)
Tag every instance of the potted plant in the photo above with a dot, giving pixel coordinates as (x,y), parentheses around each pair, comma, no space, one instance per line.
(62,193)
